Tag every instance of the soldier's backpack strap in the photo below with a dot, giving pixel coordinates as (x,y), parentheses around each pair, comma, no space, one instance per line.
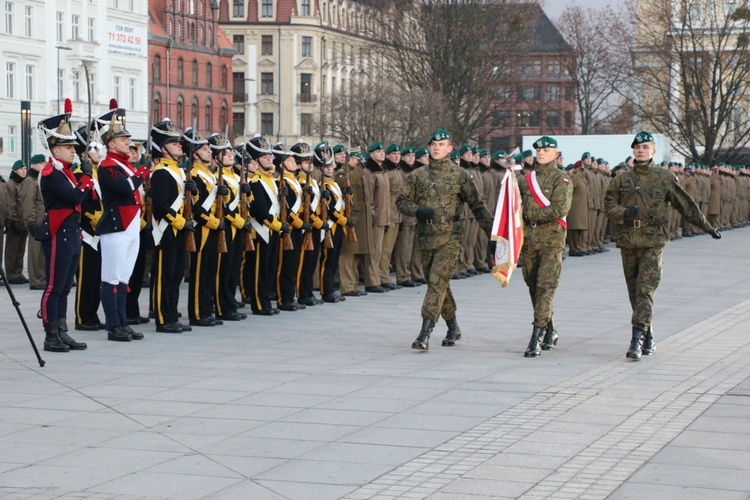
(644,196)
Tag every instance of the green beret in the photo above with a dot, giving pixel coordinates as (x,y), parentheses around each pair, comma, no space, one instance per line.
(357,154)
(38,158)
(527,153)
(498,154)
(474,150)
(600,160)
(18,164)
(484,152)
(545,142)
(569,166)
(616,168)
(375,146)
(439,135)
(585,155)
(391,148)
(338,148)
(454,155)
(421,152)
(628,159)
(518,158)
(663,164)
(464,149)
(641,137)
(408,150)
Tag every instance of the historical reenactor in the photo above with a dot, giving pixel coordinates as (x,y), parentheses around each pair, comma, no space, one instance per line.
(380,195)
(229,261)
(145,245)
(404,247)
(119,226)
(354,253)
(637,201)
(3,216)
(169,226)
(33,219)
(60,231)
(15,242)
(436,195)
(395,184)
(335,206)
(546,195)
(265,211)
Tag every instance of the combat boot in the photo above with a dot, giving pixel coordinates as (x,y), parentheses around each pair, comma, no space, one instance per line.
(535,344)
(62,332)
(550,336)
(649,345)
(454,333)
(423,341)
(636,344)
(52,340)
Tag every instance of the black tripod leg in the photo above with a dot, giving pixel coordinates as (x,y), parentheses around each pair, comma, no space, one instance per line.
(17,305)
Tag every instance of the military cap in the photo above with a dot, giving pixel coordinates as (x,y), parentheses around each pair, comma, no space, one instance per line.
(192,140)
(393,147)
(338,148)
(37,158)
(454,155)
(628,159)
(421,152)
(498,154)
(374,146)
(357,154)
(439,135)
(569,166)
(641,137)
(484,152)
(258,146)
(585,155)
(600,160)
(18,164)
(115,128)
(218,143)
(617,167)
(474,150)
(408,150)
(301,151)
(164,132)
(57,130)
(518,158)
(545,142)
(527,153)
(464,149)
(279,153)
(322,154)
(663,164)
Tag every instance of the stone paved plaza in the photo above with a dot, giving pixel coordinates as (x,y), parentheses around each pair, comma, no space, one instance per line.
(332,403)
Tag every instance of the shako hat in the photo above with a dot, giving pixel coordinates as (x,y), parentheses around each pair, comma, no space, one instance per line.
(56,131)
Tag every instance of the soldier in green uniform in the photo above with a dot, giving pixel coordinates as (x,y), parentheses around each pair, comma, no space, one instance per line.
(637,202)
(546,194)
(436,195)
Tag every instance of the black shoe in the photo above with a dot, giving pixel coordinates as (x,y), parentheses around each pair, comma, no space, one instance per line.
(36,287)
(203,322)
(308,301)
(649,345)
(87,328)
(70,341)
(636,344)
(486,270)
(288,307)
(16,281)
(408,283)
(117,334)
(422,343)
(603,250)
(134,321)
(354,293)
(239,305)
(143,320)
(232,316)
(454,333)
(185,328)
(265,312)
(375,289)
(458,276)
(550,336)
(535,344)
(152,314)
(169,328)
(132,333)
(421,281)
(333,299)
(52,342)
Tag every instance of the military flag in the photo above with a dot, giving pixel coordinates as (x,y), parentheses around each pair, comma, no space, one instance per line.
(507,229)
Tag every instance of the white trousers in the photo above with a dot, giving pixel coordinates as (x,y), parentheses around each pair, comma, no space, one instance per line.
(119,251)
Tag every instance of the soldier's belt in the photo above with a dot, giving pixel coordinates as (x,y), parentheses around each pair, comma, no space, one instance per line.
(637,224)
(444,218)
(535,224)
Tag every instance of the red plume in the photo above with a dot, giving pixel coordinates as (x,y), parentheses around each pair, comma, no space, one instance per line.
(113,103)
(68,106)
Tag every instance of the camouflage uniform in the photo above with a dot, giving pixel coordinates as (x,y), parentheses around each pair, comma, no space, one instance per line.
(544,237)
(439,242)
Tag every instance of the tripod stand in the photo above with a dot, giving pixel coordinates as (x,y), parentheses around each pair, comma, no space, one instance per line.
(17,305)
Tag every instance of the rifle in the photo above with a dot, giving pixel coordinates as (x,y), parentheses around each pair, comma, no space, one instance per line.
(221,245)
(351,234)
(188,211)
(244,212)
(327,240)
(307,242)
(286,238)
(146,161)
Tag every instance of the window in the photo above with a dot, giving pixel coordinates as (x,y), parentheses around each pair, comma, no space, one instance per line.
(209,117)
(504,92)
(529,94)
(528,119)
(75,28)
(132,93)
(77,86)
(266,123)
(267,8)
(92,30)
(156,70)
(553,67)
(266,83)
(92,85)
(180,113)
(568,119)
(180,71)
(306,46)
(209,75)
(61,81)
(12,136)
(59,26)
(224,77)
(239,43)
(553,119)
(500,119)
(305,8)
(238,87)
(29,21)
(194,111)
(118,88)
(223,115)
(532,69)
(9,18)
(305,124)
(266,45)
(569,94)
(238,8)
(10,80)
(238,122)
(501,143)
(156,110)
(194,73)
(305,87)
(553,93)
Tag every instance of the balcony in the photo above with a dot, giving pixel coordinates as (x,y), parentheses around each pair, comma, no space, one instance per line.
(307,98)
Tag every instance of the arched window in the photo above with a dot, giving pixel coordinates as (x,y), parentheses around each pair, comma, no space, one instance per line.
(157,68)
(180,71)
(224,77)
(209,75)
(223,115)
(156,109)
(169,27)
(194,73)
(209,116)
(180,121)
(194,111)
(178,30)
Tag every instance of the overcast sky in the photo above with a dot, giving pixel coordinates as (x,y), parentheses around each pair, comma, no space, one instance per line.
(553,8)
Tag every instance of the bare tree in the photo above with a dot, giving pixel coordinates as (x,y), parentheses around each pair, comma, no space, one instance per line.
(693,66)
(601,68)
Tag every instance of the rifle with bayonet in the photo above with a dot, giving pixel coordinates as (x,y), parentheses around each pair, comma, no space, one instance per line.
(188,210)
(286,237)
(244,209)
(221,245)
(351,234)
(307,242)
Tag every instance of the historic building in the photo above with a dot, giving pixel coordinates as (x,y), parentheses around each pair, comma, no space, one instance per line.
(190,65)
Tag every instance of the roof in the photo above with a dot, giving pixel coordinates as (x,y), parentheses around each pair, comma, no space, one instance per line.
(541,33)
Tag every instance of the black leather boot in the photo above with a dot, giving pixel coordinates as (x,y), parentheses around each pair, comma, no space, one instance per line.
(550,336)
(454,333)
(52,342)
(423,341)
(535,344)
(62,332)
(636,344)
(649,345)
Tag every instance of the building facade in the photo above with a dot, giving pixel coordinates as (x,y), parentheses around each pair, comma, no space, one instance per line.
(44,45)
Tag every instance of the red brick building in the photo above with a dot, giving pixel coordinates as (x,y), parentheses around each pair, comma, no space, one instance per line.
(190,65)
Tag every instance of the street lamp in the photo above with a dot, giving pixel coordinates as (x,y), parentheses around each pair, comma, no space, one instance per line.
(25,132)
(59,48)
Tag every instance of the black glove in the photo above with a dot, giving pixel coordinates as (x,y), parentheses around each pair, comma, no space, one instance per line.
(245,188)
(222,190)
(148,193)
(308,190)
(306,226)
(351,223)
(86,168)
(348,190)
(325,194)
(631,212)
(7,228)
(16,227)
(425,213)
(247,227)
(715,234)
(33,228)
(191,225)
(222,225)
(285,227)
(326,227)
(285,191)
(191,186)
(148,227)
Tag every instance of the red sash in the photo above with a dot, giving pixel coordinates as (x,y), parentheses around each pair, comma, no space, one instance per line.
(538,195)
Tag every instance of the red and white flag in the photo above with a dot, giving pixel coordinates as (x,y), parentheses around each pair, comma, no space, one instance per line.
(507,229)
